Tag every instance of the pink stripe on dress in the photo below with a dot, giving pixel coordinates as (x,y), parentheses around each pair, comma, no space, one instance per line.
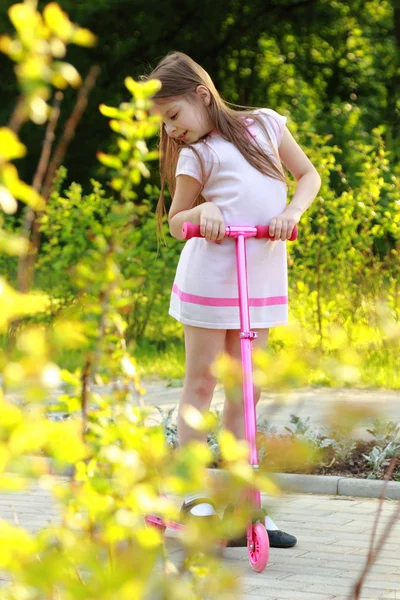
(209,301)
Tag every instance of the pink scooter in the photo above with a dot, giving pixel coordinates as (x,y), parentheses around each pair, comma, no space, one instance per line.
(257,537)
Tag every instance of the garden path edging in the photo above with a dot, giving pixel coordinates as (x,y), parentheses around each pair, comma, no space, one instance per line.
(329,485)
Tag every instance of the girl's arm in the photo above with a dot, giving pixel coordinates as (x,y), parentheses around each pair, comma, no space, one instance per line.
(207,215)
(308,185)
(186,191)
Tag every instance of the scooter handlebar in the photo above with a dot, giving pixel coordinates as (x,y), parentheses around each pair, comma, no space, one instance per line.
(263,232)
(190,231)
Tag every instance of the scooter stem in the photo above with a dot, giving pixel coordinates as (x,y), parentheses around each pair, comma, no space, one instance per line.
(246,338)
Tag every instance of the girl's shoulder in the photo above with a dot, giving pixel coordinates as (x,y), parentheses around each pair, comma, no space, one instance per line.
(268,114)
(202,149)
(272,120)
(197,160)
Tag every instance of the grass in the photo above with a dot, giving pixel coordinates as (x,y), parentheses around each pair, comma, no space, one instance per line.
(379,369)
(168,363)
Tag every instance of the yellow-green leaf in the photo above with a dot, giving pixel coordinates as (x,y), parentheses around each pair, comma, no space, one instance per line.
(124,145)
(266,484)
(12,244)
(13,48)
(21,190)
(70,334)
(7,201)
(117,183)
(231,448)
(13,304)
(67,72)
(58,21)
(152,155)
(73,448)
(11,482)
(16,545)
(108,111)
(134,176)
(148,537)
(83,37)
(10,146)
(193,417)
(22,16)
(151,87)
(135,88)
(109,160)
(38,110)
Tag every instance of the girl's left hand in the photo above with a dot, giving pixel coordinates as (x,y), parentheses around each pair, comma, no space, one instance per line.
(281,227)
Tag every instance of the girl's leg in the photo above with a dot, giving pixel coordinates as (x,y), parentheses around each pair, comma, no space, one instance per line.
(202,347)
(233,407)
(234,421)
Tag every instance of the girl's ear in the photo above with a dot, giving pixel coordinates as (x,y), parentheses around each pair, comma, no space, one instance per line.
(204,94)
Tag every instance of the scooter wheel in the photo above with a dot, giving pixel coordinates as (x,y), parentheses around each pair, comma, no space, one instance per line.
(259,554)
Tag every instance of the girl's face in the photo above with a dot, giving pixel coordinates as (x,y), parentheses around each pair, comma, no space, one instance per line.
(184,120)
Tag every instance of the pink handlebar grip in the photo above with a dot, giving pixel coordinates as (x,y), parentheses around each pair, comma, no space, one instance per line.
(263,232)
(190,231)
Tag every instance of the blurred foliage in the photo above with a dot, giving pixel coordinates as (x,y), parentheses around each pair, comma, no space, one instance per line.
(39,40)
(331,64)
(119,468)
(98,287)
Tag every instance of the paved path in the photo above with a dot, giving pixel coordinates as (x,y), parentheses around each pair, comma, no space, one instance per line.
(276,408)
(333,539)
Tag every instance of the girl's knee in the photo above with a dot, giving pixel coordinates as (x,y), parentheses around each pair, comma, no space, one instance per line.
(203,385)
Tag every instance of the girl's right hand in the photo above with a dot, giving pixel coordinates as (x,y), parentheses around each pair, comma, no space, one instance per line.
(212,224)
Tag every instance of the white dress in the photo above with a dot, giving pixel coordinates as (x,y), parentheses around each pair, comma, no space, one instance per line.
(205,290)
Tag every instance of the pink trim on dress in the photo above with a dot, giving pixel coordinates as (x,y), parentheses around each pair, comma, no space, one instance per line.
(209,301)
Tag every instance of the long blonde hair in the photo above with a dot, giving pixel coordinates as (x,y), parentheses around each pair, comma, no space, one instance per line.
(180,76)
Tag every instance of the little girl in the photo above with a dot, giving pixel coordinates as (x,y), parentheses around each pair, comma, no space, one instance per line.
(224,166)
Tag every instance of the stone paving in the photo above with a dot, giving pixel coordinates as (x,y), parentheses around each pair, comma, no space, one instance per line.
(333,538)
